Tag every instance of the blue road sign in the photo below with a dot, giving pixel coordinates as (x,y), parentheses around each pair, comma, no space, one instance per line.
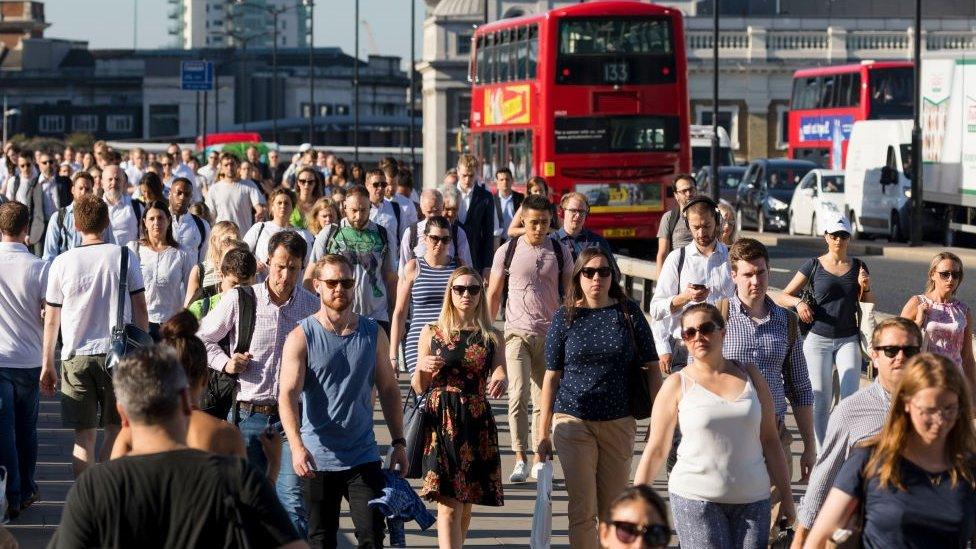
(196,75)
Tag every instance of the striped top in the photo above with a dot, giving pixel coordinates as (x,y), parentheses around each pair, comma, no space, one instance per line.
(856,418)
(426,299)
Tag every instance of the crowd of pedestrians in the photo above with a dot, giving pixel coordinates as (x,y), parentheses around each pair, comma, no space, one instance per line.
(284,299)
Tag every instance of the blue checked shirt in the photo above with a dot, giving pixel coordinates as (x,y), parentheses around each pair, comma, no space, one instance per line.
(764,344)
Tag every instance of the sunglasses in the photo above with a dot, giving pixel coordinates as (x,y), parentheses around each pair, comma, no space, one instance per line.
(471,290)
(705,329)
(306,181)
(946,275)
(839,236)
(655,535)
(330,283)
(379,184)
(439,239)
(591,272)
(891,351)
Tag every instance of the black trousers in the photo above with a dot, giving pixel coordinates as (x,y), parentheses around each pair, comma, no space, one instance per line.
(323,498)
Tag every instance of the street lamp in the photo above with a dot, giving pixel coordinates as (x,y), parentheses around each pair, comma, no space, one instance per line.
(917,211)
(713,188)
(311,69)
(274,13)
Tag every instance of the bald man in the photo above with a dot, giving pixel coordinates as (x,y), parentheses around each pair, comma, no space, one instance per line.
(123,212)
(412,245)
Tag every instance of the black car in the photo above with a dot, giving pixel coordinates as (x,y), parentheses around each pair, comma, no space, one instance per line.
(763,197)
(728,181)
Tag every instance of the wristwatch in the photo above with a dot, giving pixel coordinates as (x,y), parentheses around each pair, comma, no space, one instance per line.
(399,441)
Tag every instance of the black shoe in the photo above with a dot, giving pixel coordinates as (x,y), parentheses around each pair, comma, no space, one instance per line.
(30,500)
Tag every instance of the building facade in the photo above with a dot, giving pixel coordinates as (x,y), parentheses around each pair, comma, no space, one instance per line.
(196,24)
(761,44)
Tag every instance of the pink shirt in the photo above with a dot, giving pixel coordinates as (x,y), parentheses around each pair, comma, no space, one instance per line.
(944,328)
(533,285)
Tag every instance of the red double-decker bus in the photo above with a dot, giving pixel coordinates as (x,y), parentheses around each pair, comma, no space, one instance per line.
(827,101)
(593,97)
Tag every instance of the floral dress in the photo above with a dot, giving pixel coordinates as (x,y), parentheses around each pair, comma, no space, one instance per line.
(461,459)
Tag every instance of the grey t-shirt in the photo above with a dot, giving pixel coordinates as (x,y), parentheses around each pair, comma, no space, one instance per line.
(681,236)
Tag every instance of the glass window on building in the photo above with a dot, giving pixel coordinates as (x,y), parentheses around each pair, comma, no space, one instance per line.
(50,123)
(164,120)
(84,123)
(119,123)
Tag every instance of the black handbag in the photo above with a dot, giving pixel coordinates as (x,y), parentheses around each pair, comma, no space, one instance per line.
(638,379)
(126,338)
(221,391)
(415,427)
(807,296)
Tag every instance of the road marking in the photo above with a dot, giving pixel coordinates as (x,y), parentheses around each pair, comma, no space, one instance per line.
(779,270)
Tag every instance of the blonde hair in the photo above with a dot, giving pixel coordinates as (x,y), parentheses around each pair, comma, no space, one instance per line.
(449,321)
(218,235)
(939,258)
(727,214)
(467,161)
(924,371)
(313,215)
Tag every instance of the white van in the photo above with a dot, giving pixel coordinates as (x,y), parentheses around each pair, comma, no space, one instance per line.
(701,147)
(876,188)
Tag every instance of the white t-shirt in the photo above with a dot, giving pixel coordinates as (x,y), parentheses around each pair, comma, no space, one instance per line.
(165,275)
(23,281)
(260,234)
(234,201)
(123,219)
(84,282)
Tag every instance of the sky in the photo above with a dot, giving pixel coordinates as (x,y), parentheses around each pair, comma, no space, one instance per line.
(108,24)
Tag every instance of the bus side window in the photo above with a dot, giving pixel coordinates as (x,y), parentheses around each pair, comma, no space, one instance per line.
(522,57)
(533,50)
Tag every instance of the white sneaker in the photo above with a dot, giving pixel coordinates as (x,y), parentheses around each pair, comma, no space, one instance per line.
(519,472)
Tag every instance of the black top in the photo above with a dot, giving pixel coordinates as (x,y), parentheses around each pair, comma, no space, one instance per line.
(182,498)
(479,226)
(930,512)
(834,314)
(594,354)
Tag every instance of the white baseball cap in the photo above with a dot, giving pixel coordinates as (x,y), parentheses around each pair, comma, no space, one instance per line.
(304,147)
(836,223)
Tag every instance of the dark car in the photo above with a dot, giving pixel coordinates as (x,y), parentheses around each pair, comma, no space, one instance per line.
(728,182)
(763,197)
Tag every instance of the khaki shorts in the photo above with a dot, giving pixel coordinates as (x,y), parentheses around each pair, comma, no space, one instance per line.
(86,389)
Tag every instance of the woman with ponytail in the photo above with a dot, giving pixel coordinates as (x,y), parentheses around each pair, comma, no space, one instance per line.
(205,432)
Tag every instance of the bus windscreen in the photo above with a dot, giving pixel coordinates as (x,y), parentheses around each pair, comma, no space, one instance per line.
(891,93)
(636,50)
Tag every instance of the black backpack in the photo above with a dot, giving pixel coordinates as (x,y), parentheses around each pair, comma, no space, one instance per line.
(221,392)
(510,254)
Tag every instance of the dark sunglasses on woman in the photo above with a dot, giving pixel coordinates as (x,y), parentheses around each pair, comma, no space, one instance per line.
(472,290)
(655,535)
(705,329)
(441,239)
(946,275)
(590,272)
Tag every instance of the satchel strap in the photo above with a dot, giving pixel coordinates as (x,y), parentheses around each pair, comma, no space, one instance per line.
(123,289)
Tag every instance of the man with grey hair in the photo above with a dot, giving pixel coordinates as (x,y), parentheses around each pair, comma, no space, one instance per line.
(163,492)
(123,212)
(412,246)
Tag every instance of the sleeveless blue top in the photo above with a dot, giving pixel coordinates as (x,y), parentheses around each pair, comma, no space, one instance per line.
(337,410)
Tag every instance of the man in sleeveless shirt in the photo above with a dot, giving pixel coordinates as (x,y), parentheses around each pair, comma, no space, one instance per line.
(330,363)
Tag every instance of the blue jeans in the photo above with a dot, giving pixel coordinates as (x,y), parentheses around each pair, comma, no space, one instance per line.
(719,525)
(19,401)
(822,354)
(288,486)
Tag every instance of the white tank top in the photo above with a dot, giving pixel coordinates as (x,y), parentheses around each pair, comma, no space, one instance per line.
(720,457)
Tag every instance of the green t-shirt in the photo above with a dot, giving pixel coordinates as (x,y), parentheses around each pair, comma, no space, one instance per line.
(200,309)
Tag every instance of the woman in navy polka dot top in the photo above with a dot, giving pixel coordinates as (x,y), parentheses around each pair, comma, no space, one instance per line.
(585,400)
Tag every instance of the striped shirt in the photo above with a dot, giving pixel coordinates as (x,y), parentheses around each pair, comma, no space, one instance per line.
(259,382)
(856,418)
(765,343)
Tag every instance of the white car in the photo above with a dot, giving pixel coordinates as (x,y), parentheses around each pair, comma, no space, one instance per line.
(819,191)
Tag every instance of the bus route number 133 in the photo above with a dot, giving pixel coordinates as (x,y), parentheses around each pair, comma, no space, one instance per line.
(616,72)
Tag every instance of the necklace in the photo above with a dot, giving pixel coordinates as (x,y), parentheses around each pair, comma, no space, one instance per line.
(333,329)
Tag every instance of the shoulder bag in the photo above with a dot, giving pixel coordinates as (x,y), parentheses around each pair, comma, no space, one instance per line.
(637,375)
(126,338)
(415,429)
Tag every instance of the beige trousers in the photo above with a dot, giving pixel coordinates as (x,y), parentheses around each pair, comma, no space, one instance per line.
(525,360)
(596,457)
